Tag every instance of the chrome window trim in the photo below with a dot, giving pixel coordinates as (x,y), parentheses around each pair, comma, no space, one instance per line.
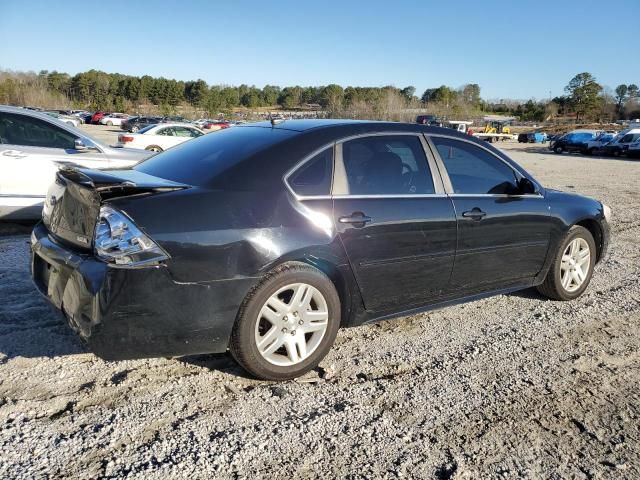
(441,182)
(373,196)
(339,168)
(292,170)
(522,173)
(502,195)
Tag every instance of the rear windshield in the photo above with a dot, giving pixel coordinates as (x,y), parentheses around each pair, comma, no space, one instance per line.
(199,161)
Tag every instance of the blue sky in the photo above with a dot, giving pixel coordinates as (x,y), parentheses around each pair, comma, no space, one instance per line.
(523,50)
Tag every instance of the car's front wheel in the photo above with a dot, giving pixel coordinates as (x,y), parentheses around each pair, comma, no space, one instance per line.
(154,148)
(287,324)
(572,267)
(558,149)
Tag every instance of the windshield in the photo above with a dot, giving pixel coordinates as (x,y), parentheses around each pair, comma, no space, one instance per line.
(199,161)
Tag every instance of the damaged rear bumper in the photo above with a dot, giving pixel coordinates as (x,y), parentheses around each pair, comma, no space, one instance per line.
(134,313)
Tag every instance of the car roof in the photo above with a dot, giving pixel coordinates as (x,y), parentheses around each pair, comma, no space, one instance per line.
(356,127)
(175,124)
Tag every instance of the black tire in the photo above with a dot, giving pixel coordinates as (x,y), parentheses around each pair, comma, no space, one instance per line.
(134,129)
(154,148)
(242,344)
(592,151)
(558,149)
(109,123)
(552,287)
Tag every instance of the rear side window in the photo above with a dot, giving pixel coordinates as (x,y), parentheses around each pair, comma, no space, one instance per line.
(32,132)
(314,177)
(386,165)
(473,170)
(200,161)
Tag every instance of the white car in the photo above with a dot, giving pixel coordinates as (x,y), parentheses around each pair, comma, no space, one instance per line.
(68,119)
(113,119)
(33,146)
(159,137)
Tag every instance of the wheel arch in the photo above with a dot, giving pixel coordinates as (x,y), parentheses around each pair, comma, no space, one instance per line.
(594,228)
(341,277)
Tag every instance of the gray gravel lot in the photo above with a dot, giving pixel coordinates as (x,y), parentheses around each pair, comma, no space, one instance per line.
(512,386)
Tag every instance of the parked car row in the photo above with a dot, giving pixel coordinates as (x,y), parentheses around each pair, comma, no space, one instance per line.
(598,142)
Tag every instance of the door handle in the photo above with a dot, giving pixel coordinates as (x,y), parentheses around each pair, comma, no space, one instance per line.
(474,213)
(13,154)
(358,219)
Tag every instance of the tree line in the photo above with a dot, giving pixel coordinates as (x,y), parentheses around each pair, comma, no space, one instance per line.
(585,98)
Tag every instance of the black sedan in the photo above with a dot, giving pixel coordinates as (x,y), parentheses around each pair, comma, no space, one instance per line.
(264,239)
(134,124)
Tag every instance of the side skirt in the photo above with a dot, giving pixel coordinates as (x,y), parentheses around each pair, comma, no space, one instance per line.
(374,317)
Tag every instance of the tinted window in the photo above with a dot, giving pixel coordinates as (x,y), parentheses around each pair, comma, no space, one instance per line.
(186,132)
(314,177)
(473,170)
(386,165)
(33,132)
(168,132)
(199,161)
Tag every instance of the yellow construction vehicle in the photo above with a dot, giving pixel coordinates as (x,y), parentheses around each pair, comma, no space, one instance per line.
(497,124)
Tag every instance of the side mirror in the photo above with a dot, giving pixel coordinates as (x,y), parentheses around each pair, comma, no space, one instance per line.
(79,145)
(526,186)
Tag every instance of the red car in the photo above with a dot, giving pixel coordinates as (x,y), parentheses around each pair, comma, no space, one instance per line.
(217,125)
(95,118)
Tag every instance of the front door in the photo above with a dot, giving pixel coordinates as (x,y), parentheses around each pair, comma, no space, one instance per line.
(503,235)
(397,226)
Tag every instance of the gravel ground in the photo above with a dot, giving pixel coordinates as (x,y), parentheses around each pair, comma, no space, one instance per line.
(512,386)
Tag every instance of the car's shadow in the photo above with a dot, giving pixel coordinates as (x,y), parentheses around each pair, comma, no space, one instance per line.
(29,326)
(221,362)
(530,293)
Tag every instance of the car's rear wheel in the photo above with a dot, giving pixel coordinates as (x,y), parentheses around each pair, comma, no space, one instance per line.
(110,124)
(572,267)
(592,151)
(558,149)
(154,148)
(134,129)
(287,324)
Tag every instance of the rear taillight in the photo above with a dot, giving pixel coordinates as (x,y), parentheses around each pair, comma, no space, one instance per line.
(125,138)
(119,241)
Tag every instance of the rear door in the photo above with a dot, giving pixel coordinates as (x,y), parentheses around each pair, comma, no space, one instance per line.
(166,138)
(503,236)
(397,226)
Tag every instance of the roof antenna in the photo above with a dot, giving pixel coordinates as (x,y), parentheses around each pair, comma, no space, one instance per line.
(275,119)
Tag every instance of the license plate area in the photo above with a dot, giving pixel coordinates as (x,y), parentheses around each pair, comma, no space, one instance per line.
(41,273)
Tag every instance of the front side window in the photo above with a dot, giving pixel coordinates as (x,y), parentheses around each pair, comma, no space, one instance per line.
(314,176)
(32,132)
(386,165)
(473,170)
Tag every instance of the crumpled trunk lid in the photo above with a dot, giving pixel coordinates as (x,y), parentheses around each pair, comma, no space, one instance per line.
(73,201)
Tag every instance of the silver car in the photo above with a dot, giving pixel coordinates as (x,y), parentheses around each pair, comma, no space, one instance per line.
(33,146)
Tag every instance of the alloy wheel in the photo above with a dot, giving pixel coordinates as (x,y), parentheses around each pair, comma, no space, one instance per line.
(575,264)
(291,324)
